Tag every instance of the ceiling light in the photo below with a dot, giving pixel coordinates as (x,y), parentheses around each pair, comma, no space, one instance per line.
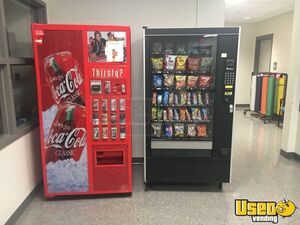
(247,18)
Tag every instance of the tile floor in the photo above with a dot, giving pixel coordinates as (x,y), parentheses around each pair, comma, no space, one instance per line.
(259,173)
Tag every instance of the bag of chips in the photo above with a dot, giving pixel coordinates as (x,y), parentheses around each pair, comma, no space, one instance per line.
(183,98)
(159,114)
(188,114)
(181,62)
(182,114)
(195,114)
(193,63)
(206,98)
(156,129)
(176,114)
(170,61)
(176,99)
(192,81)
(189,98)
(159,99)
(170,114)
(165,115)
(205,81)
(191,130)
(202,130)
(154,95)
(205,113)
(180,81)
(200,102)
(157,80)
(171,98)
(179,130)
(169,130)
(195,99)
(206,63)
(157,63)
(166,98)
(168,80)
(153,113)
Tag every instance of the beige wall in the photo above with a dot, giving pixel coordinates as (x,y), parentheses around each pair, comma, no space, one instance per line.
(20,171)
(138,13)
(281,28)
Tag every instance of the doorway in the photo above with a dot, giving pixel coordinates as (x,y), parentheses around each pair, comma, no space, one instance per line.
(263,53)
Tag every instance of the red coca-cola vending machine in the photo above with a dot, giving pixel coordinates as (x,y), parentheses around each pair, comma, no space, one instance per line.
(84,98)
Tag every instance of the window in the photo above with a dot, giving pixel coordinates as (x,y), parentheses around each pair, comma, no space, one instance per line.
(18,100)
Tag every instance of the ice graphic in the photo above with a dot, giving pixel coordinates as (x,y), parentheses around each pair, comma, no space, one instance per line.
(68,175)
(48,117)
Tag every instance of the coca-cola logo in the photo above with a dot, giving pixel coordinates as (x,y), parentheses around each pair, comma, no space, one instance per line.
(69,85)
(76,138)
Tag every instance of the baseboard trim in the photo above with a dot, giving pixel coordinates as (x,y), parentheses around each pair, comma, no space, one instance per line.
(138,160)
(290,155)
(242,105)
(12,219)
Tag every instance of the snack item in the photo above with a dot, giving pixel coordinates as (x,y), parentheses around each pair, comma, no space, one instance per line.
(182,114)
(180,81)
(165,115)
(205,113)
(202,130)
(156,129)
(195,114)
(159,99)
(206,63)
(183,98)
(192,81)
(171,98)
(194,97)
(168,80)
(157,63)
(159,114)
(154,95)
(170,114)
(179,130)
(191,130)
(188,115)
(205,81)
(153,113)
(157,80)
(170,61)
(189,98)
(166,98)
(176,114)
(168,130)
(177,99)
(200,102)
(193,63)
(206,98)
(181,62)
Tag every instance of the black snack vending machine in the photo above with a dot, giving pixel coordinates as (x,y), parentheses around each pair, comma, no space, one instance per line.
(189,78)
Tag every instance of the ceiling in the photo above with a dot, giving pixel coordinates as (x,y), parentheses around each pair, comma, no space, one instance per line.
(253,11)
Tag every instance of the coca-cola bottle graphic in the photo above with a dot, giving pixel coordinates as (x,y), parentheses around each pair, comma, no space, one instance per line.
(67,135)
(64,77)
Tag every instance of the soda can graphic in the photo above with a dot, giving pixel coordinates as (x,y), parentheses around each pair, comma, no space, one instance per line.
(122,104)
(104,119)
(107,87)
(104,105)
(113,118)
(105,132)
(95,118)
(122,118)
(113,133)
(113,104)
(96,133)
(95,105)
(122,133)
(123,89)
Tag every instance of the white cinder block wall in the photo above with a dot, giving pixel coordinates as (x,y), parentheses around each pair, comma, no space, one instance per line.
(138,13)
